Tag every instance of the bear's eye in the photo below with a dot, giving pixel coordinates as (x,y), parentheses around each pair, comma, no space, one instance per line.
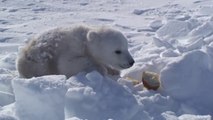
(118,52)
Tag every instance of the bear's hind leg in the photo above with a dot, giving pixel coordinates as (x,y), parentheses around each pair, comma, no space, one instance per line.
(29,68)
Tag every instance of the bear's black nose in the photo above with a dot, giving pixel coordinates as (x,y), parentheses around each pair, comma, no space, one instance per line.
(131,62)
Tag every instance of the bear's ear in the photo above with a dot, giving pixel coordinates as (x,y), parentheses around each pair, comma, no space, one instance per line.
(92,36)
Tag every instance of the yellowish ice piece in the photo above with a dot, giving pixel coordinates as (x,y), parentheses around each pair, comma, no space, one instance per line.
(151,80)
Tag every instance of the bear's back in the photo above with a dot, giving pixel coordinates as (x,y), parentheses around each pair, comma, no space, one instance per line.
(51,44)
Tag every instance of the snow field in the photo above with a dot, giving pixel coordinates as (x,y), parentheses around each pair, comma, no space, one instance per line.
(171,38)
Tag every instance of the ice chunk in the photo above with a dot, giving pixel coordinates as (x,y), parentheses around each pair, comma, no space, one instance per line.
(172,116)
(40,98)
(204,30)
(209,39)
(138,11)
(7,117)
(161,43)
(169,53)
(159,104)
(174,29)
(206,10)
(6,92)
(74,118)
(196,43)
(156,24)
(8,61)
(183,17)
(169,116)
(100,95)
(194,117)
(189,78)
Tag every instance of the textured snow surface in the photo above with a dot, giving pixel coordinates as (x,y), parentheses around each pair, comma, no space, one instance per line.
(173,38)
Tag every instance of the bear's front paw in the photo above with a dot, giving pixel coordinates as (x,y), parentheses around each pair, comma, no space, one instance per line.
(113,72)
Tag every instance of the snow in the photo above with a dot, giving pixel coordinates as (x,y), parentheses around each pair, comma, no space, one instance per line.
(171,38)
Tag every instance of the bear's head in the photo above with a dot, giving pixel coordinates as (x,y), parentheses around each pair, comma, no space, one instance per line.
(109,47)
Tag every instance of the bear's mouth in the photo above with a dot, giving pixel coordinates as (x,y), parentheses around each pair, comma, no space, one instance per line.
(124,66)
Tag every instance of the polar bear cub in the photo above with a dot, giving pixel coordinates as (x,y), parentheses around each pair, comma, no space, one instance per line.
(69,51)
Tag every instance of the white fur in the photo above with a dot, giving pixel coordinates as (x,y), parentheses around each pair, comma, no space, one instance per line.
(71,50)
